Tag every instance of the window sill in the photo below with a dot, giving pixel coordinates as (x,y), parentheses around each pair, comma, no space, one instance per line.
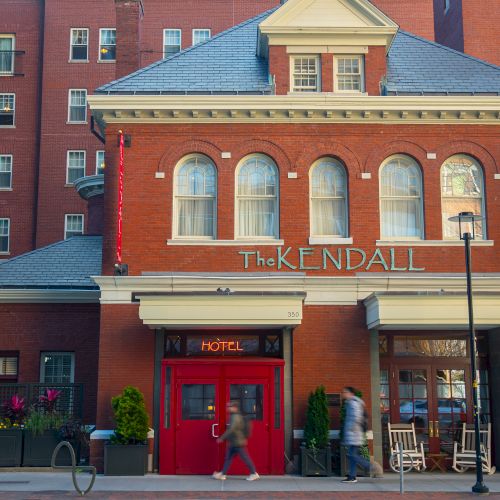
(4,253)
(78,61)
(7,126)
(326,240)
(109,61)
(225,243)
(6,189)
(432,243)
(7,74)
(76,123)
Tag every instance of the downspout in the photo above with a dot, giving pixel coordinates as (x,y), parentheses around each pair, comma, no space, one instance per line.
(39,124)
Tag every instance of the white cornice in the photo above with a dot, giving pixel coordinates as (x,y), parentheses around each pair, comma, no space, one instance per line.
(320,108)
(10,295)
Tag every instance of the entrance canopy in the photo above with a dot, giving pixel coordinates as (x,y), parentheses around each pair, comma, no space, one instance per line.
(430,310)
(222,309)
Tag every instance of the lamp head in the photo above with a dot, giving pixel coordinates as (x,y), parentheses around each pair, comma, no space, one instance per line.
(466,224)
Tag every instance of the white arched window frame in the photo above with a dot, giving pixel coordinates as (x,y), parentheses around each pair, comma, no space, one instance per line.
(462,190)
(195,198)
(257,198)
(401,210)
(328,199)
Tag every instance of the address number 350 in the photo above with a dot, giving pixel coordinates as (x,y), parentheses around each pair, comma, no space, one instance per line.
(293,314)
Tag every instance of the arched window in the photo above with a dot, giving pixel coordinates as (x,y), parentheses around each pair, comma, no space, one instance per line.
(257,198)
(400,198)
(328,198)
(461,191)
(195,198)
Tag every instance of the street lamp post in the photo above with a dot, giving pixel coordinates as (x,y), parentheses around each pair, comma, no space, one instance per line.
(466,222)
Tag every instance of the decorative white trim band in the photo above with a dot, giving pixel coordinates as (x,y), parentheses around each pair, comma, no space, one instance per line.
(226,243)
(432,243)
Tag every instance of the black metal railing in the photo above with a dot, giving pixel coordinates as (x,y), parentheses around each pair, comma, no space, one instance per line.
(69,402)
(11,62)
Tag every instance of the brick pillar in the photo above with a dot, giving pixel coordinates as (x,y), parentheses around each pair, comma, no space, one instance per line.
(95,214)
(129,14)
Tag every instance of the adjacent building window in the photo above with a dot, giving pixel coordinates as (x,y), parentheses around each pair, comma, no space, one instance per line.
(79,44)
(77,106)
(328,198)
(257,198)
(73,225)
(171,42)
(461,191)
(200,35)
(7,109)
(7,47)
(4,235)
(349,74)
(107,44)
(75,166)
(305,74)
(8,367)
(99,162)
(5,171)
(401,214)
(195,198)
(57,367)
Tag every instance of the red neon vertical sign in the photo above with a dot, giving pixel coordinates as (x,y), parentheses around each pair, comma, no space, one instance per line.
(120,203)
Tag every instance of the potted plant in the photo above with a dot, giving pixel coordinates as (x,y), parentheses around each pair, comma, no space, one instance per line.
(316,459)
(126,452)
(364,451)
(11,433)
(41,432)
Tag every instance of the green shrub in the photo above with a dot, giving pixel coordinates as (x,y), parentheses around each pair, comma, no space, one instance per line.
(317,420)
(132,421)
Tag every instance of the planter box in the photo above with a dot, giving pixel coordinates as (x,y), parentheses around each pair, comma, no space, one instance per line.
(38,450)
(125,459)
(11,447)
(344,467)
(318,463)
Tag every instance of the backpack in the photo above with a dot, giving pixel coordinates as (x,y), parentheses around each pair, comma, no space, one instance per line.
(247,426)
(365,421)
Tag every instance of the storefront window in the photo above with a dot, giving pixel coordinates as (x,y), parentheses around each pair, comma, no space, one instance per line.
(382,345)
(484,396)
(168,376)
(198,402)
(250,397)
(415,346)
(384,391)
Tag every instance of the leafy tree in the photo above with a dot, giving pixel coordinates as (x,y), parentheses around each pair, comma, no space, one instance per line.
(317,420)
(132,421)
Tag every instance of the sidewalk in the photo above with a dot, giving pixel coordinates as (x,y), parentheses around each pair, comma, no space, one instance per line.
(59,484)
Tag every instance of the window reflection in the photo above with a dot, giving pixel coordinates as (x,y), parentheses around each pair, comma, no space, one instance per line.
(414,346)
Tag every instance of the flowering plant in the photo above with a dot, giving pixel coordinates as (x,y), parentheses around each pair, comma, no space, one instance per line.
(49,399)
(14,410)
(6,423)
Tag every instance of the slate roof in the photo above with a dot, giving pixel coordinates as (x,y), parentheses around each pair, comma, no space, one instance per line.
(224,64)
(66,264)
(227,64)
(417,65)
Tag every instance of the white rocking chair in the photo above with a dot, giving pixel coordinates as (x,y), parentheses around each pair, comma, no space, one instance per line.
(405,434)
(464,453)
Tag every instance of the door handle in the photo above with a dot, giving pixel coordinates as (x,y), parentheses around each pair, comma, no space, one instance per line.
(436,428)
(213,430)
(431,429)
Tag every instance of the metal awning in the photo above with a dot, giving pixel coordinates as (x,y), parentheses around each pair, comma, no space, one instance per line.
(430,310)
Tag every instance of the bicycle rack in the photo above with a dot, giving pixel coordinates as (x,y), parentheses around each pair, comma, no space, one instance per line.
(396,463)
(73,467)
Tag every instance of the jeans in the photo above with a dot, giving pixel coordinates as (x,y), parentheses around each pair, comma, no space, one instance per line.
(354,459)
(231,452)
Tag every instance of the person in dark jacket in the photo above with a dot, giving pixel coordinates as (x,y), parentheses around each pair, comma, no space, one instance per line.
(354,436)
(235,435)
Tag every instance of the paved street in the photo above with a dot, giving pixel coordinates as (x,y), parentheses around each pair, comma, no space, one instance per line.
(48,485)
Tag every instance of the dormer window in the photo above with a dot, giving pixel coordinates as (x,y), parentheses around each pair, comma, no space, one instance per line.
(305,74)
(349,74)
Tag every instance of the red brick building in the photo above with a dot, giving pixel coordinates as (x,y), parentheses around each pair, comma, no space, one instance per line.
(286,195)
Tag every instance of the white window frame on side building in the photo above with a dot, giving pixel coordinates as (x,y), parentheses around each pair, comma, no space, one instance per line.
(107,50)
(75,160)
(200,35)
(7,55)
(304,73)
(8,108)
(166,32)
(6,162)
(57,355)
(100,162)
(73,45)
(360,74)
(71,94)
(4,236)
(73,231)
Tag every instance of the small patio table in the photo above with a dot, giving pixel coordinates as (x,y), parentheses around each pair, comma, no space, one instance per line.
(437,461)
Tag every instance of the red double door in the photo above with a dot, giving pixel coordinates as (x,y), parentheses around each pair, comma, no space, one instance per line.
(194,396)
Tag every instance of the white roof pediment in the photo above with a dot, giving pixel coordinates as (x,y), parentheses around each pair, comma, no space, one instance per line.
(330,14)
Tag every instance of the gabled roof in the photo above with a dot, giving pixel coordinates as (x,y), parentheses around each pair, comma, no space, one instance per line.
(418,66)
(225,63)
(66,264)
